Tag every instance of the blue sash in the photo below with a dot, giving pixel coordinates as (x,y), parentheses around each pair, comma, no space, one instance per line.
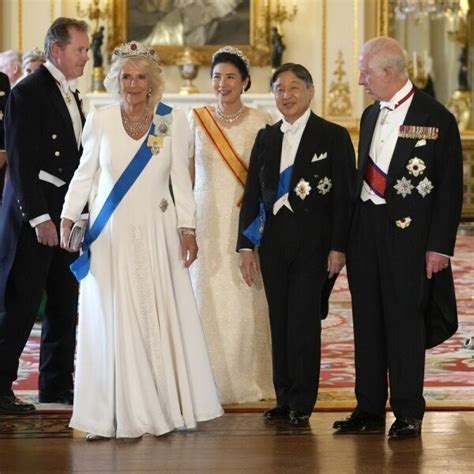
(254,231)
(80,267)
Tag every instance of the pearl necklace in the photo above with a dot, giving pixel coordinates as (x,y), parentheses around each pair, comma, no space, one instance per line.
(229,118)
(135,129)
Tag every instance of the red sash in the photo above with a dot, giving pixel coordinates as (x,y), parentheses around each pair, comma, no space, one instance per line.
(375,178)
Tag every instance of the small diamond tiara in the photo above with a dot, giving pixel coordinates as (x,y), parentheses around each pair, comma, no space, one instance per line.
(234,51)
(133,49)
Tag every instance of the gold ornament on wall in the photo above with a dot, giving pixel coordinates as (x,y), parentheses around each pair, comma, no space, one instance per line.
(339,100)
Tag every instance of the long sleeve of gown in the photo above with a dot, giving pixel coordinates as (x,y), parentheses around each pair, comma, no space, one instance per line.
(180,177)
(83,179)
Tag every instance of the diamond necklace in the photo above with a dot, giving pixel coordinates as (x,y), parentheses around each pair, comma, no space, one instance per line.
(229,118)
(135,129)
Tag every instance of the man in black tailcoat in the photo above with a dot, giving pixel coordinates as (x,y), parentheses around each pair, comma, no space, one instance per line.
(4,91)
(407,211)
(43,125)
(300,181)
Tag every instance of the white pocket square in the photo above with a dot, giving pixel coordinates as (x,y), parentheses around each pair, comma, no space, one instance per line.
(421,142)
(322,156)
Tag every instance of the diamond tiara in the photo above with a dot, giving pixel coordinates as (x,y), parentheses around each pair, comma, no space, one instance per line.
(133,49)
(234,51)
(33,55)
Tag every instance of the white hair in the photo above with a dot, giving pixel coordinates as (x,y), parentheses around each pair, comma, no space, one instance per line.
(383,52)
(11,57)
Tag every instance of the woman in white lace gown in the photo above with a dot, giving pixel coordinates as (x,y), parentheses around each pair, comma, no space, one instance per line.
(142,362)
(234,317)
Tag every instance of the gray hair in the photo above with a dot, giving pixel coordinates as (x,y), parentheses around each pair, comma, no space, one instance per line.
(112,80)
(34,55)
(386,53)
(11,56)
(59,33)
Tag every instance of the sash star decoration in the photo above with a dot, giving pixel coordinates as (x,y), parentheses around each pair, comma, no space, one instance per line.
(416,166)
(404,187)
(302,189)
(324,185)
(403,223)
(418,132)
(425,187)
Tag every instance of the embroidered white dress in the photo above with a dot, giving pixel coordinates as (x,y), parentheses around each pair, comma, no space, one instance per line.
(142,363)
(234,316)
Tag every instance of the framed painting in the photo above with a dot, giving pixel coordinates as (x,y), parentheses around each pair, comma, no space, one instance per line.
(201,25)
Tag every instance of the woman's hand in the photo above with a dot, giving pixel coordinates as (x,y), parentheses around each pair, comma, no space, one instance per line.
(66,226)
(189,247)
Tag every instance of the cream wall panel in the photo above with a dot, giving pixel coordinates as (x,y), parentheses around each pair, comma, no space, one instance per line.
(36,19)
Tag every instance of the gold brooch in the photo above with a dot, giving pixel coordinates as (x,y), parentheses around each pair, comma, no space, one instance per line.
(403,223)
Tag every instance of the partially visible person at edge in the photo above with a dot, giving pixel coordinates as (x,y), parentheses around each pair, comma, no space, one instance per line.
(4,91)
(11,65)
(32,60)
(234,318)
(296,206)
(407,211)
(43,127)
(141,347)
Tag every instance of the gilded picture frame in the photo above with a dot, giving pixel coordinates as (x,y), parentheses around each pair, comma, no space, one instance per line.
(257,48)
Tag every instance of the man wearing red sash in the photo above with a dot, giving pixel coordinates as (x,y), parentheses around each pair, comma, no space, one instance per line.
(407,210)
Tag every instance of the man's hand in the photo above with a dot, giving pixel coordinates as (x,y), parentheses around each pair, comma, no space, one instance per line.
(66,226)
(336,262)
(435,263)
(189,249)
(47,234)
(248,266)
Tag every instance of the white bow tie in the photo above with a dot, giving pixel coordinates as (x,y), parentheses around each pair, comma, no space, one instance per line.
(387,105)
(286,127)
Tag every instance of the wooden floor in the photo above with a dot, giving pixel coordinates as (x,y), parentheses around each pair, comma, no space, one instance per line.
(240,443)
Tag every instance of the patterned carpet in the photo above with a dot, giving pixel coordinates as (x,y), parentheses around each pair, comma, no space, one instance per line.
(449,382)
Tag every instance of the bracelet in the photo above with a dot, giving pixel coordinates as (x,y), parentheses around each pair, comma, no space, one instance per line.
(186,231)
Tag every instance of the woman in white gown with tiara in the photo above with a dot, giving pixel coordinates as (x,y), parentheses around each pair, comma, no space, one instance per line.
(142,362)
(234,317)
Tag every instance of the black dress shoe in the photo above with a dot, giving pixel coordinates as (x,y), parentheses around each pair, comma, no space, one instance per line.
(65,398)
(404,427)
(11,405)
(360,422)
(298,418)
(277,412)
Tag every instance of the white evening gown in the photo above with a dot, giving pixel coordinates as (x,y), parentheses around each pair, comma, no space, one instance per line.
(234,316)
(142,363)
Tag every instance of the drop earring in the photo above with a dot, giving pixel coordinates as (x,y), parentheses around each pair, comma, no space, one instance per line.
(149,92)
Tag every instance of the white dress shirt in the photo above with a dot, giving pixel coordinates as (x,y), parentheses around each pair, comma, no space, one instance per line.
(385,136)
(292,133)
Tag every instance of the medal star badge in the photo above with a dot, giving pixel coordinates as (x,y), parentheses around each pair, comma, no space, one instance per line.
(302,189)
(403,223)
(416,166)
(324,185)
(155,143)
(404,187)
(425,187)
(163,125)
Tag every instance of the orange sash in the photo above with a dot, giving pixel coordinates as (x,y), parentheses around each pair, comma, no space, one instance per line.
(222,145)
